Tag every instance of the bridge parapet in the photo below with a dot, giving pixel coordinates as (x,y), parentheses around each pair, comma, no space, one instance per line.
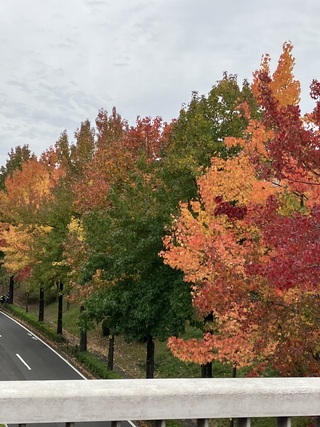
(24,402)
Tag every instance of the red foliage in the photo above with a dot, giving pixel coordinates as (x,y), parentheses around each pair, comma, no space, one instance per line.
(251,245)
(232,212)
(294,251)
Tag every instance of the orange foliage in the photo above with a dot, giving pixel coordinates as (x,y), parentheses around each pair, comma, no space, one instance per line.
(19,248)
(283,86)
(211,242)
(249,244)
(28,189)
(114,161)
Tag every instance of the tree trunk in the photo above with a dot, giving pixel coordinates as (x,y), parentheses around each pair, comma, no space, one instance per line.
(83,335)
(60,306)
(27,302)
(234,371)
(110,352)
(11,285)
(83,341)
(41,305)
(206,370)
(150,357)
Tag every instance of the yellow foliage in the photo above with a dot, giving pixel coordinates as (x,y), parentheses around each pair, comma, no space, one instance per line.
(27,190)
(75,228)
(20,251)
(235,180)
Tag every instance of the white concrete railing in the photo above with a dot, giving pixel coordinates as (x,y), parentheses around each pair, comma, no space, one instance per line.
(159,399)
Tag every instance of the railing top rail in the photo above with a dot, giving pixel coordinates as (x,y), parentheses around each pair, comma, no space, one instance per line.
(107,400)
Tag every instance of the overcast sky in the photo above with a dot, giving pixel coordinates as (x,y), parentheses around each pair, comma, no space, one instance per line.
(63,60)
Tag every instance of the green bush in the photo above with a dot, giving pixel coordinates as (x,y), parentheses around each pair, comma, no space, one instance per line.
(33,321)
(94,365)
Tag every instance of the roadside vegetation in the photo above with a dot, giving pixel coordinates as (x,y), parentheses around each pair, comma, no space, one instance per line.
(129,357)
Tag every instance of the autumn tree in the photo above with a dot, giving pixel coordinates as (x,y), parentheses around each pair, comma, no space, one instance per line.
(28,192)
(199,131)
(108,162)
(144,189)
(292,233)
(210,242)
(29,226)
(248,244)
(14,161)
(142,300)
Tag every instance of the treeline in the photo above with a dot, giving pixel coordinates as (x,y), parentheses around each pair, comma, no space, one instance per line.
(159,224)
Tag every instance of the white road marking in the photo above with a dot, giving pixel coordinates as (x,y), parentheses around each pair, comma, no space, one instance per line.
(43,342)
(32,336)
(54,351)
(19,357)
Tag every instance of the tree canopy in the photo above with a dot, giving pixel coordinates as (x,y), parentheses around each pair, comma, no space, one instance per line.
(248,244)
(214,215)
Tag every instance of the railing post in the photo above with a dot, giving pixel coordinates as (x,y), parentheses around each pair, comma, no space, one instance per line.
(283,422)
(243,422)
(202,422)
(160,423)
(115,423)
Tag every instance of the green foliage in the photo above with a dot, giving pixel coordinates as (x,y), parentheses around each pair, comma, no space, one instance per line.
(199,132)
(50,268)
(157,305)
(96,366)
(149,299)
(33,321)
(15,159)
(137,219)
(82,151)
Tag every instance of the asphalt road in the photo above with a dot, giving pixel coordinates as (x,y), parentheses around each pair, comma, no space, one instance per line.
(23,356)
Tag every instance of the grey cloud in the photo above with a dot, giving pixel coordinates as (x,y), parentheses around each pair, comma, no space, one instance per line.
(62,61)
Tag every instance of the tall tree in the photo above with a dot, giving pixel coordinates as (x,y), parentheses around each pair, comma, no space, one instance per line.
(108,163)
(139,172)
(210,242)
(249,243)
(15,160)
(141,301)
(198,133)
(26,209)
